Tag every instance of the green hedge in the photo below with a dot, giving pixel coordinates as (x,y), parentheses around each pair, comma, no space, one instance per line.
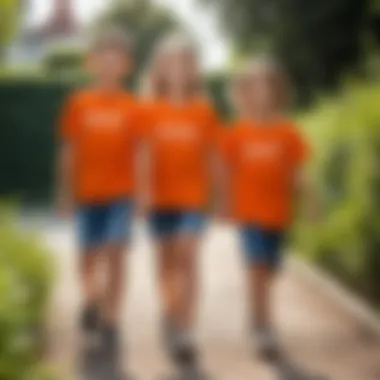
(28,113)
(345,133)
(25,277)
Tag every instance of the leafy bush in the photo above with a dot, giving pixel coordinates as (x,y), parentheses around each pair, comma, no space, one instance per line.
(24,285)
(345,134)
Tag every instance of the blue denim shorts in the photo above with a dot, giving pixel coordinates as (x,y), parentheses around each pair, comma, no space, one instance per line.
(169,222)
(262,245)
(105,223)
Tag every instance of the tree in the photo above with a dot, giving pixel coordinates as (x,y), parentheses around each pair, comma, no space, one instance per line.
(316,39)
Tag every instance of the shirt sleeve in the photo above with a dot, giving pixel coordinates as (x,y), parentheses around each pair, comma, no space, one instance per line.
(68,119)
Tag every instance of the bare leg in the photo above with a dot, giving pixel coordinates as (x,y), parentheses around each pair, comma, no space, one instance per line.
(260,280)
(261,283)
(187,264)
(180,338)
(168,276)
(114,283)
(89,276)
(89,263)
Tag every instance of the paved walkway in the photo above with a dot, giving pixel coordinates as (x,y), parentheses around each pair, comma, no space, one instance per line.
(321,341)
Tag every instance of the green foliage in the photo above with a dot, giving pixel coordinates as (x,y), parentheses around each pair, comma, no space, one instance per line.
(318,40)
(25,277)
(346,140)
(28,115)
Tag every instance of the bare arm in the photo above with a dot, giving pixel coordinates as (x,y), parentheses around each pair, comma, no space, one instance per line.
(143,185)
(64,180)
(221,186)
(308,194)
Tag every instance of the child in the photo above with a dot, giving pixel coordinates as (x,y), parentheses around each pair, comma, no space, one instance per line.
(95,178)
(264,153)
(179,137)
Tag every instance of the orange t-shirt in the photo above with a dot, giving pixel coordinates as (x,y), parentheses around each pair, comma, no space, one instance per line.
(262,161)
(180,139)
(102,129)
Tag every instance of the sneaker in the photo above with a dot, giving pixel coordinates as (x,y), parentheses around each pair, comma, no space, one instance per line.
(265,342)
(179,343)
(184,351)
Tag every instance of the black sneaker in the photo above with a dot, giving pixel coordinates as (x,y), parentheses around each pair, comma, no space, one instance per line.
(183,350)
(264,342)
(179,344)
(185,356)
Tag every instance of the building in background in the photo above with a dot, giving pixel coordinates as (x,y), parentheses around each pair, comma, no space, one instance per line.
(60,29)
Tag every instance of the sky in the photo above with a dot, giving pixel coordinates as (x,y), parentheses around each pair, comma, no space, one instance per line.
(200,22)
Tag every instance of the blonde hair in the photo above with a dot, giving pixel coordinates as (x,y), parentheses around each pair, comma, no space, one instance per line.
(260,65)
(153,81)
